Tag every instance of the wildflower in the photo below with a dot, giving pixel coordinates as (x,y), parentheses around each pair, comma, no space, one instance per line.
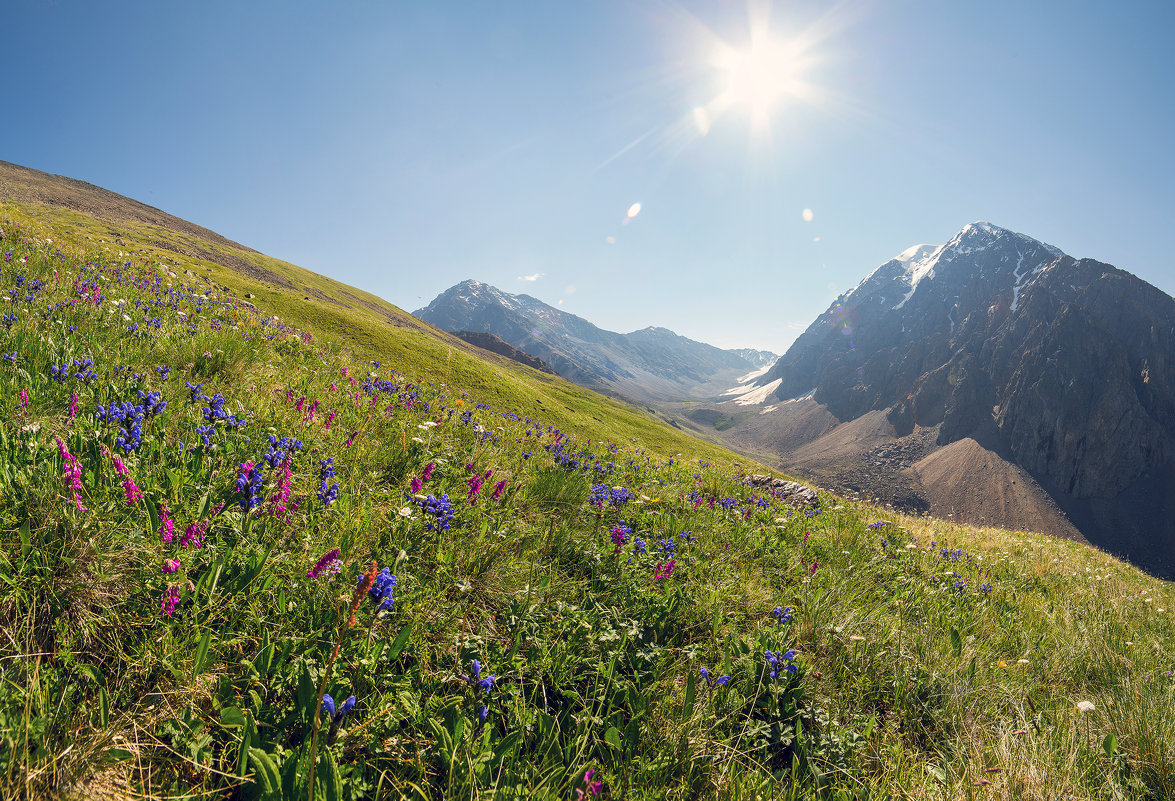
(441,510)
(72,473)
(619,535)
(166,524)
(593,788)
(475,679)
(661,572)
(249,479)
(427,472)
(498,489)
(815,566)
(171,565)
(328,706)
(24,400)
(482,712)
(775,661)
(73,407)
(416,486)
(167,604)
(325,473)
(1085,706)
(781,614)
(381,589)
(329,562)
(712,682)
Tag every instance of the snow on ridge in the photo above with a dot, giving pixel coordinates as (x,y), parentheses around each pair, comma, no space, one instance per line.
(919,262)
(755,395)
(749,376)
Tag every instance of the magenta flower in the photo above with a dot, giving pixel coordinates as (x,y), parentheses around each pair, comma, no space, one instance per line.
(417,486)
(427,474)
(166,525)
(329,562)
(498,488)
(72,473)
(73,407)
(167,604)
(661,572)
(171,565)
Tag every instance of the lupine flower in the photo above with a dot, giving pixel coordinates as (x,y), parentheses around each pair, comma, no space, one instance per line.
(329,562)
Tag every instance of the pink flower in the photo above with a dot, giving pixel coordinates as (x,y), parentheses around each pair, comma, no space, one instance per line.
(167,604)
(498,488)
(329,562)
(171,565)
(664,571)
(72,473)
(417,486)
(166,525)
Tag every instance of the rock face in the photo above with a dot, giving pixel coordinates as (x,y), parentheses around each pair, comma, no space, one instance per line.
(790,492)
(496,344)
(653,364)
(1061,367)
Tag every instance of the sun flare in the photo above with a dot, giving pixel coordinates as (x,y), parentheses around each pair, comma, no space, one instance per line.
(759,77)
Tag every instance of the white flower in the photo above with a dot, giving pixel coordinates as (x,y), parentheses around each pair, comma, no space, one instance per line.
(1085,706)
(418,439)
(406,511)
(427,424)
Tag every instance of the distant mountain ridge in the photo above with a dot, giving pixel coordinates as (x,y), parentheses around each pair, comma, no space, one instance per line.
(652,364)
(1061,370)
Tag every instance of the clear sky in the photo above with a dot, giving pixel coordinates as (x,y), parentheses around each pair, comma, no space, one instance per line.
(778,154)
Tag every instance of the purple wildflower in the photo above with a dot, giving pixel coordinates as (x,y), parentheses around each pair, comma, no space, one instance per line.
(329,562)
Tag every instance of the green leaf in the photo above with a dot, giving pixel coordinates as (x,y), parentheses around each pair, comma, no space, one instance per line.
(612,738)
(231,717)
(1110,744)
(265,771)
(956,642)
(307,692)
(399,643)
(153,513)
(200,660)
(937,773)
(103,707)
(332,782)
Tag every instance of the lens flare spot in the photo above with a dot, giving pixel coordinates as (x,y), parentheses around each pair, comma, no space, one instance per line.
(634,210)
(611,240)
(701,120)
(807,215)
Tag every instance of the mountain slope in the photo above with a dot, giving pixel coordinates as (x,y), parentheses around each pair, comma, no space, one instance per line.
(80,214)
(1057,367)
(652,365)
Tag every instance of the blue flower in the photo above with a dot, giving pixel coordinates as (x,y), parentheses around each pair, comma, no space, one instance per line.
(328,706)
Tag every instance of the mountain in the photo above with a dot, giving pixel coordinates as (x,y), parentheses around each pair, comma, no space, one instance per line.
(996,379)
(758,358)
(651,365)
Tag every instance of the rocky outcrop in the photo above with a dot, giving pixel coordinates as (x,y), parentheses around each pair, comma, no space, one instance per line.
(789,492)
(497,345)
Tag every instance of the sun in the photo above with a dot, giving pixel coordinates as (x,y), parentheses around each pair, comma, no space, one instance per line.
(759,77)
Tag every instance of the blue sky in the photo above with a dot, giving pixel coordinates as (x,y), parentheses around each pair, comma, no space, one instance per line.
(403,147)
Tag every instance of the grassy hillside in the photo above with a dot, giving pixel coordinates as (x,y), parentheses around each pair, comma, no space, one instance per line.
(191,494)
(95,220)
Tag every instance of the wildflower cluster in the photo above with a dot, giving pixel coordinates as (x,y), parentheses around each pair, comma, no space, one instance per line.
(326,471)
(439,509)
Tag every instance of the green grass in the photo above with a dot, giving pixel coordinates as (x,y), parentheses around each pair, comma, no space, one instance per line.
(912,680)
